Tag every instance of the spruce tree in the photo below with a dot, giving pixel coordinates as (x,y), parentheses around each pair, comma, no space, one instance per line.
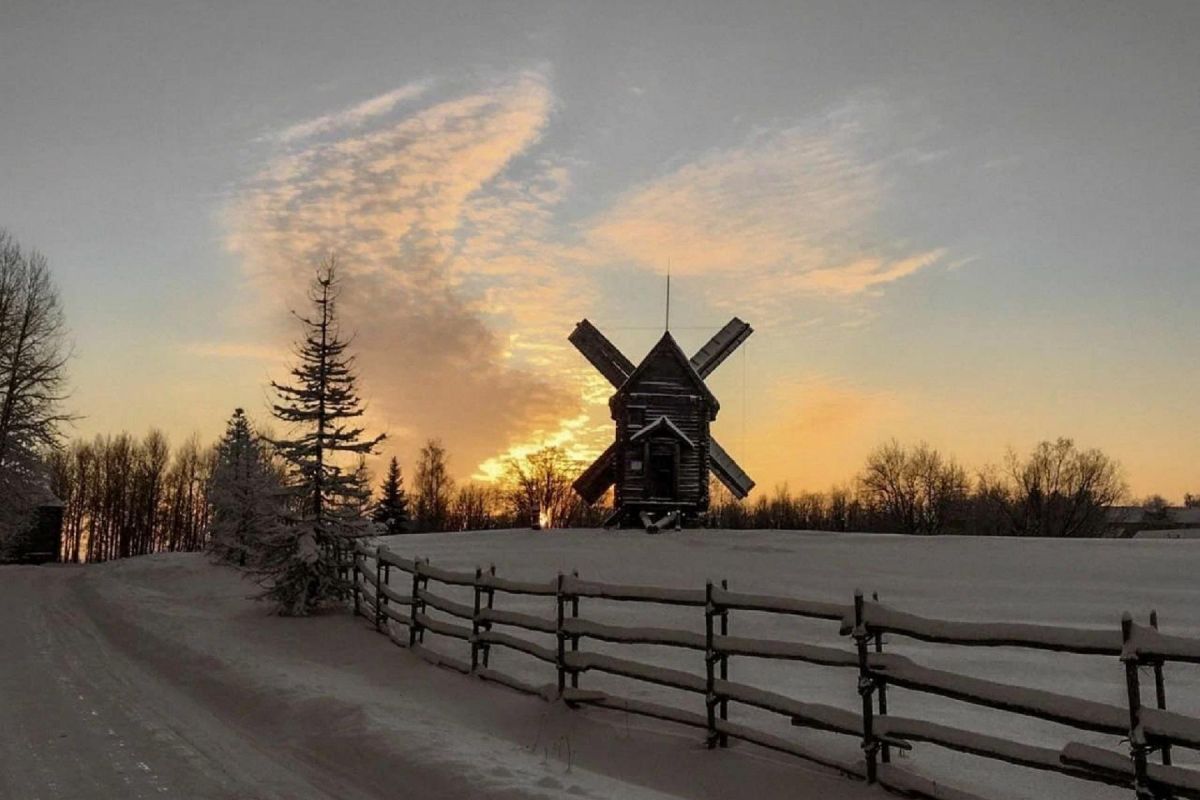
(392,510)
(321,407)
(246,494)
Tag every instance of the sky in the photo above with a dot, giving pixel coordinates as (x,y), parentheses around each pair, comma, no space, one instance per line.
(968,223)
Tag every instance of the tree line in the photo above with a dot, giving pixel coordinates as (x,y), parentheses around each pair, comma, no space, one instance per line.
(124,496)
(1056,490)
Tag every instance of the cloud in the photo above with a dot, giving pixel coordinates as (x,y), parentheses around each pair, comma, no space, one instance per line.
(436,220)
(355,115)
(464,269)
(786,213)
(860,275)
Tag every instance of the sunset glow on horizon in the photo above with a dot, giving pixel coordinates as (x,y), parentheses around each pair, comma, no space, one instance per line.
(950,237)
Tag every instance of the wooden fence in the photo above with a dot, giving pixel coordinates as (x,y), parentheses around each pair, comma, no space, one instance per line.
(394,593)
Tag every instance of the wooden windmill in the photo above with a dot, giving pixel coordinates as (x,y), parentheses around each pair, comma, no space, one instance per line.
(663,452)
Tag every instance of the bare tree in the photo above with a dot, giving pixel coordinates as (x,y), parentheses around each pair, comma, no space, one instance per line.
(433,488)
(1060,490)
(472,508)
(917,489)
(33,359)
(538,487)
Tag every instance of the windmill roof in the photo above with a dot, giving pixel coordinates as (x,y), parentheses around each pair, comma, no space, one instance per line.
(668,346)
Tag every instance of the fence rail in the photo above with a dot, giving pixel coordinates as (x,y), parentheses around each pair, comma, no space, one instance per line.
(400,609)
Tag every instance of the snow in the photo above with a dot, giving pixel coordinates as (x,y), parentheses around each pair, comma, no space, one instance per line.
(650,594)
(1055,706)
(989,634)
(460,610)
(782,605)
(1040,586)
(1169,533)
(634,635)
(797,651)
(664,676)
(1146,642)
(158,677)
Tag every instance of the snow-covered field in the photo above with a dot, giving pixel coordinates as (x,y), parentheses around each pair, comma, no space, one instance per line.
(1076,583)
(158,677)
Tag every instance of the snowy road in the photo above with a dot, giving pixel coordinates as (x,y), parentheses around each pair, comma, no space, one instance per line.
(83,720)
(158,678)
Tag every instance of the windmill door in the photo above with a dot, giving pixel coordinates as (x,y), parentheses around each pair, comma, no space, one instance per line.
(663,469)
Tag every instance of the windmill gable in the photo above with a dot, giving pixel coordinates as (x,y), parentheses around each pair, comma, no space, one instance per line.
(666,369)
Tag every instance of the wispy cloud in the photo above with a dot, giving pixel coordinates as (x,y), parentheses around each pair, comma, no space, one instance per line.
(440,234)
(786,212)
(355,115)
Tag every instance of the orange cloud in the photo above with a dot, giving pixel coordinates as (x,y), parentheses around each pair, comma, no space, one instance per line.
(439,241)
(786,214)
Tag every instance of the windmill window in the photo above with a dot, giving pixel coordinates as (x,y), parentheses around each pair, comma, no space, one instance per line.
(636,417)
(635,464)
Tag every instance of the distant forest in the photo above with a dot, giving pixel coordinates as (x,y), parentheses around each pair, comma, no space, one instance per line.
(122,495)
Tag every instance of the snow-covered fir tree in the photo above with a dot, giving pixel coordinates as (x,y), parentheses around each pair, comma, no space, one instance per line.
(246,493)
(320,406)
(392,509)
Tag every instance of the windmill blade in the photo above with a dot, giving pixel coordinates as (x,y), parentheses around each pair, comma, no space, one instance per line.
(720,346)
(602,353)
(728,472)
(596,479)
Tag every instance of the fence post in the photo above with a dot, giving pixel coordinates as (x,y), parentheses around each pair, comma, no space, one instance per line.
(381,578)
(885,751)
(1137,737)
(487,625)
(723,739)
(343,571)
(561,659)
(414,608)
(866,687)
(710,660)
(355,587)
(1160,689)
(575,637)
(475,620)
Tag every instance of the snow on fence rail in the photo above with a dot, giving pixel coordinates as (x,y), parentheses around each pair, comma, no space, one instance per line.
(399,608)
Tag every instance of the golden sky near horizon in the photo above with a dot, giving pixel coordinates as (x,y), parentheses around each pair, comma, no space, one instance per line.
(974,230)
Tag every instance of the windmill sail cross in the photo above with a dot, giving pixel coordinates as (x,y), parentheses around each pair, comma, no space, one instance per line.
(720,346)
(603,354)
(734,477)
(595,480)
